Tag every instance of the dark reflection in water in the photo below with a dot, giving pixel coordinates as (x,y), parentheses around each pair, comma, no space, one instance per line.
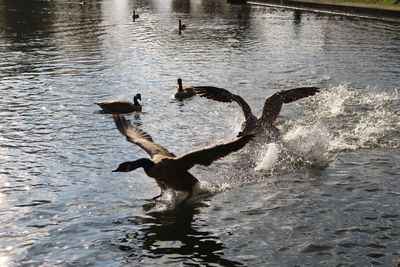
(181,6)
(213,7)
(22,18)
(297,17)
(173,235)
(240,33)
(33,28)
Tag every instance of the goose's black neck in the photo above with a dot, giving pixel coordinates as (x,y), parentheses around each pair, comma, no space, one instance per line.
(128,166)
(180,87)
(146,164)
(135,100)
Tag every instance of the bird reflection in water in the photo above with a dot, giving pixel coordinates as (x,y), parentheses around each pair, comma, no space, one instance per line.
(172,235)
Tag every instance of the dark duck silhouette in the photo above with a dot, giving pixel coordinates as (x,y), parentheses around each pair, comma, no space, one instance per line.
(121,106)
(134,15)
(272,107)
(183,93)
(181,27)
(168,170)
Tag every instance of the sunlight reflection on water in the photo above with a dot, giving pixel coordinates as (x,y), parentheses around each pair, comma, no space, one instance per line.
(331,198)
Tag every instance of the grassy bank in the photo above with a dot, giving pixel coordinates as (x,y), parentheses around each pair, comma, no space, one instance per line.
(379,9)
(383,3)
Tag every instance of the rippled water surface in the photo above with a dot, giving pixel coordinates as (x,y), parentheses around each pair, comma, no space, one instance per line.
(328,194)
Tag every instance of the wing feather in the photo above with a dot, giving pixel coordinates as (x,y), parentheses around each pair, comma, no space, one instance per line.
(139,137)
(273,104)
(223,95)
(206,156)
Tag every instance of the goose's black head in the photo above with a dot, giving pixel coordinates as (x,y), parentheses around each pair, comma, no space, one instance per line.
(138,96)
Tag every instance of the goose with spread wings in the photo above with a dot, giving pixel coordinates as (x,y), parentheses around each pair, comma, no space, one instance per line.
(271,110)
(168,170)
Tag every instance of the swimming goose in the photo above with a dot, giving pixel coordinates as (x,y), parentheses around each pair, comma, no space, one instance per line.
(121,106)
(134,15)
(182,93)
(271,110)
(168,170)
(181,27)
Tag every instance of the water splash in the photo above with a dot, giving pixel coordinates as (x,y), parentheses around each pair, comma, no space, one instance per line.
(201,192)
(357,118)
(333,104)
(269,158)
(301,146)
(310,143)
(341,118)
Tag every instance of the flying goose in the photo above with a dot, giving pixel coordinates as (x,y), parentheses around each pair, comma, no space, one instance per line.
(271,110)
(182,93)
(121,106)
(168,170)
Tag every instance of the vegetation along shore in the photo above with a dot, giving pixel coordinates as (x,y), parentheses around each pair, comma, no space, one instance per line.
(378,9)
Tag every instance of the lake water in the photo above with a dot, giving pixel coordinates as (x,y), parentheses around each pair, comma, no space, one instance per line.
(327,195)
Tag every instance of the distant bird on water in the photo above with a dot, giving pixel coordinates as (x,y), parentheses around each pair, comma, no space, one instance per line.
(181,27)
(121,106)
(271,110)
(182,93)
(134,16)
(169,171)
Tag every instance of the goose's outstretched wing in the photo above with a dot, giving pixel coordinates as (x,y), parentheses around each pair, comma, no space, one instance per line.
(139,137)
(273,104)
(206,156)
(223,95)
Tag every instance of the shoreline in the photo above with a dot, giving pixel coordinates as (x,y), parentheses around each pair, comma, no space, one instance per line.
(346,9)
